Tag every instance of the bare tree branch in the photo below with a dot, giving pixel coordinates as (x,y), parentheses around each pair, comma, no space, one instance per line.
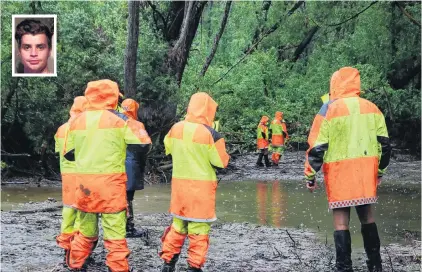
(217,39)
(407,14)
(155,10)
(354,16)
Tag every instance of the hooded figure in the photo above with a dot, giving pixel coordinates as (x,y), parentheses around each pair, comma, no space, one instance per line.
(262,141)
(135,166)
(97,140)
(279,135)
(69,225)
(349,139)
(195,149)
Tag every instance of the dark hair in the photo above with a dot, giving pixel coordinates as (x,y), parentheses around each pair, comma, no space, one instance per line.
(31,26)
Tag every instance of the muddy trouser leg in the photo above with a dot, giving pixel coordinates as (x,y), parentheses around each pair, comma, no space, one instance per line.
(172,242)
(114,227)
(83,242)
(267,161)
(198,243)
(67,228)
(130,225)
(261,154)
(371,240)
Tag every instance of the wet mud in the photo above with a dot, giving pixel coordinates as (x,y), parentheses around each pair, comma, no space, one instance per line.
(28,233)
(402,169)
(28,244)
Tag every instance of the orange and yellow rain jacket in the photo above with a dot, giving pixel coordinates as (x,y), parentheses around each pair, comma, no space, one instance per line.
(278,130)
(97,141)
(195,149)
(349,139)
(262,135)
(68,168)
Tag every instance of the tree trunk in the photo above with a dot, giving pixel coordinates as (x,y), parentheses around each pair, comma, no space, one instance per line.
(131,49)
(178,55)
(217,39)
(305,42)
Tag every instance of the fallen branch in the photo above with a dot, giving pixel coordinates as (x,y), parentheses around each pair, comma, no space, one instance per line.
(53,209)
(6,154)
(14,183)
(165,167)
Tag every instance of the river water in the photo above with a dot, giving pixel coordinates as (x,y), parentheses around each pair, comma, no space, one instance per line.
(275,203)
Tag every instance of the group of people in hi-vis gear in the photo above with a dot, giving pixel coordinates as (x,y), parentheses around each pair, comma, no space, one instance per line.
(102,155)
(348,139)
(277,132)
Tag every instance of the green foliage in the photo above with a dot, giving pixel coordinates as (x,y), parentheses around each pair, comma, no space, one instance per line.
(381,42)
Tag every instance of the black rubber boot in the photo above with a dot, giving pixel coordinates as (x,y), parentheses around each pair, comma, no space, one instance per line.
(259,161)
(194,269)
(131,231)
(170,266)
(267,161)
(343,244)
(372,244)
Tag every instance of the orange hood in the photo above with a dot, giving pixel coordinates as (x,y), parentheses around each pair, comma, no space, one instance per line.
(345,83)
(130,108)
(201,109)
(79,105)
(102,95)
(264,120)
(279,115)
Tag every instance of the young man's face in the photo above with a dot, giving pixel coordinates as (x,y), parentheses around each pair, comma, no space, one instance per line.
(34,53)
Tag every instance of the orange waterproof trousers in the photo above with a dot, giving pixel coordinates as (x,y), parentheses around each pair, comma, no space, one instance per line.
(174,238)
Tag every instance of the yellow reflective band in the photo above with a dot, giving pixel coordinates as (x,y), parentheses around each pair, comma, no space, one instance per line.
(325,98)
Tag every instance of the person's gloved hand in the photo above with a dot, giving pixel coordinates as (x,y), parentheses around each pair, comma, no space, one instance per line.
(311,185)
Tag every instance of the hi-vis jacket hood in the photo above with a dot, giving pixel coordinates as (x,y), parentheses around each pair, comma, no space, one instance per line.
(102,95)
(279,115)
(264,120)
(130,108)
(201,109)
(79,105)
(345,83)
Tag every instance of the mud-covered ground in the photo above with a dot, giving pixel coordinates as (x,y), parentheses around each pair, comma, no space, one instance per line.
(402,168)
(28,234)
(28,244)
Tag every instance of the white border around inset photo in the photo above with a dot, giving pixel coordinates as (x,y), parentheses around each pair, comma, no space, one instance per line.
(53,45)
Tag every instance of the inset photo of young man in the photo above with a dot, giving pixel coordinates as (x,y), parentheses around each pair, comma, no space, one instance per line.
(34,45)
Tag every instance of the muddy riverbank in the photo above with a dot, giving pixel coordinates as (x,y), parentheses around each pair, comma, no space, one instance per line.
(402,169)
(28,244)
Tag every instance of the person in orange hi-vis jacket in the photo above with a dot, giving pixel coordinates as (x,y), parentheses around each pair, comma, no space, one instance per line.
(195,149)
(135,166)
(262,141)
(349,139)
(279,135)
(97,140)
(69,225)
